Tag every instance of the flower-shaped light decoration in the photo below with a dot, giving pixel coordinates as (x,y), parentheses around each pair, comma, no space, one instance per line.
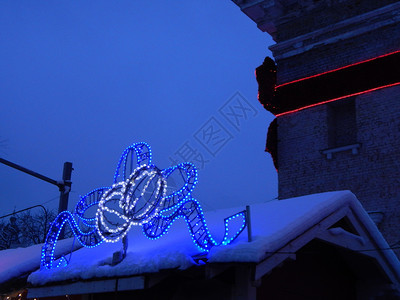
(139,196)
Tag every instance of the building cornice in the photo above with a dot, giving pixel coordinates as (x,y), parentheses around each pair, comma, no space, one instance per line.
(384,16)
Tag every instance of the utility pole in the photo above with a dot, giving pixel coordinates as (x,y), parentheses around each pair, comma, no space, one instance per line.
(64,186)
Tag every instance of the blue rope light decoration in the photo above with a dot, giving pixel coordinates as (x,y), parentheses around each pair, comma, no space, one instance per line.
(138,197)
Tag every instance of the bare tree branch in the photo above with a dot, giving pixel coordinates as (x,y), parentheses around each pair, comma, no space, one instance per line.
(25,229)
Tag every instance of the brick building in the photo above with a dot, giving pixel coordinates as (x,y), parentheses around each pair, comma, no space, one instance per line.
(336,100)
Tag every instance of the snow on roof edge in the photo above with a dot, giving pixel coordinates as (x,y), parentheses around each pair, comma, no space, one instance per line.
(275,223)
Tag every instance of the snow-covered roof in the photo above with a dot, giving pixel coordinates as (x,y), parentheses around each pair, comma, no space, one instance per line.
(275,225)
(279,228)
(18,263)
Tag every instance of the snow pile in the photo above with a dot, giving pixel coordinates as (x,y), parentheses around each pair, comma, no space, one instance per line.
(274,224)
(15,263)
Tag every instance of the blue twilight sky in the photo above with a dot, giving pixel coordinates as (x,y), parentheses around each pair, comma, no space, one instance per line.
(82,80)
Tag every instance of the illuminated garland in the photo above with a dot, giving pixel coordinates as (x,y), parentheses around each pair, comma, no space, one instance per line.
(137,197)
(191,211)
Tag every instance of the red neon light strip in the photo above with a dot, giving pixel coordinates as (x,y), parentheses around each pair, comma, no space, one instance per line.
(335,99)
(334,70)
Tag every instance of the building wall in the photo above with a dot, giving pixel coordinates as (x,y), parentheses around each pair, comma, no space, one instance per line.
(373,174)
(323,37)
(322,58)
(313,37)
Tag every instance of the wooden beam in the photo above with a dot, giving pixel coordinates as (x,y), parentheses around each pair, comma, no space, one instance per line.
(88,287)
(382,257)
(347,240)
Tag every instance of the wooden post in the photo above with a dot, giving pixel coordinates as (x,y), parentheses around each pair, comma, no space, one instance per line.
(244,289)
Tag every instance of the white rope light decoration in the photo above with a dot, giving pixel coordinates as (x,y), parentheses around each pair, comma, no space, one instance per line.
(124,193)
